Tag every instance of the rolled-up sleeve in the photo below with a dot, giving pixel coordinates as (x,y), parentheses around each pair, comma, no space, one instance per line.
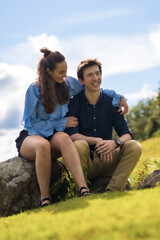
(120,123)
(115,97)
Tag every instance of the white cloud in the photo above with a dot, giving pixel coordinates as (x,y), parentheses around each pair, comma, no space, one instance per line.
(83,17)
(117,54)
(144,93)
(14,80)
(28,52)
(155,39)
(7,143)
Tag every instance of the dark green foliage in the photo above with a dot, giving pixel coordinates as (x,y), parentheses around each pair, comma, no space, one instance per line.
(141,175)
(64,188)
(144,118)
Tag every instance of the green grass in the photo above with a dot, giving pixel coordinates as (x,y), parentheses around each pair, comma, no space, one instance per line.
(131,215)
(151,152)
(111,216)
(149,160)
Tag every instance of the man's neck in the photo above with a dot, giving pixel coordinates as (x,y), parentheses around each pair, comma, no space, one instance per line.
(92,97)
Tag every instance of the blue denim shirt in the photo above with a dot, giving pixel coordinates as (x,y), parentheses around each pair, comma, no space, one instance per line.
(36,121)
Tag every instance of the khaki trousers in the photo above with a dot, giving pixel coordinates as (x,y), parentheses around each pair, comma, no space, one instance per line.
(124,161)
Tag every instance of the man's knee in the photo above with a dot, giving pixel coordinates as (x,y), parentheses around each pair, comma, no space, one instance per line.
(83,151)
(134,147)
(82,146)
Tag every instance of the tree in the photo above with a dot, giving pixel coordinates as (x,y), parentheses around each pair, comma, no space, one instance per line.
(144,118)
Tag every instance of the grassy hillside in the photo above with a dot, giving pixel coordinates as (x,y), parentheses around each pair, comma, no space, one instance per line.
(131,215)
(149,160)
(151,152)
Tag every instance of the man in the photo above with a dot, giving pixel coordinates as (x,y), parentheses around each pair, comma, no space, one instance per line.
(99,153)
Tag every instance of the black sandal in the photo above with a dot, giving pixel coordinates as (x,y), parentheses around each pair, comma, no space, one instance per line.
(85,193)
(45,204)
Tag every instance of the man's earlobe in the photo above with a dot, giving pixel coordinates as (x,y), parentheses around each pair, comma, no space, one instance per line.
(81,81)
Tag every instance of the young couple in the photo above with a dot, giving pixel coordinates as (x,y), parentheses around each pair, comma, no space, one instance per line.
(49,119)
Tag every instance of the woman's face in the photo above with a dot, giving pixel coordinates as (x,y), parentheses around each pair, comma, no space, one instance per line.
(59,73)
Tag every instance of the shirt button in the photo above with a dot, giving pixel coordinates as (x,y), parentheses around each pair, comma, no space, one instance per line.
(94,118)
(94,130)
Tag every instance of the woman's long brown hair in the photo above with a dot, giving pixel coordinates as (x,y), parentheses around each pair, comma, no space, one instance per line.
(51,92)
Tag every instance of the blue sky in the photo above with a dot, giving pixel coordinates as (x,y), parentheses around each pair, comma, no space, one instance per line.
(123,35)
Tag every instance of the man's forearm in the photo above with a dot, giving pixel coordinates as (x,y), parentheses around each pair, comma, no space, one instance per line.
(124,138)
(93,140)
(90,140)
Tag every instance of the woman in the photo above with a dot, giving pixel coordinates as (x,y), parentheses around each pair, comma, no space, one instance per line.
(44,120)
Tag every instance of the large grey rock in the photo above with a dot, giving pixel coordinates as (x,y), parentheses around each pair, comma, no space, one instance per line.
(151,180)
(18,184)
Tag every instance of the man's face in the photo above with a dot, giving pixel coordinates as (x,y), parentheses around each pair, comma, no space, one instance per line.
(92,79)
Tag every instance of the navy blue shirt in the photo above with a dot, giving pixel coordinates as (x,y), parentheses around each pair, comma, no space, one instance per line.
(96,120)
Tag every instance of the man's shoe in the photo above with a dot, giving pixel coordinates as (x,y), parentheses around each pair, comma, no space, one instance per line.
(108,190)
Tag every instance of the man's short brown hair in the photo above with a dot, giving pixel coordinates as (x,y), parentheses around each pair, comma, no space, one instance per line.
(85,64)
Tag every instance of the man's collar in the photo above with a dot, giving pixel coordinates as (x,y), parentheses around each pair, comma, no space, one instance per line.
(86,99)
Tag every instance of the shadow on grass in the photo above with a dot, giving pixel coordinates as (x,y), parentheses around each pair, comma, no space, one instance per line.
(67,205)
(76,203)
(80,202)
(113,195)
